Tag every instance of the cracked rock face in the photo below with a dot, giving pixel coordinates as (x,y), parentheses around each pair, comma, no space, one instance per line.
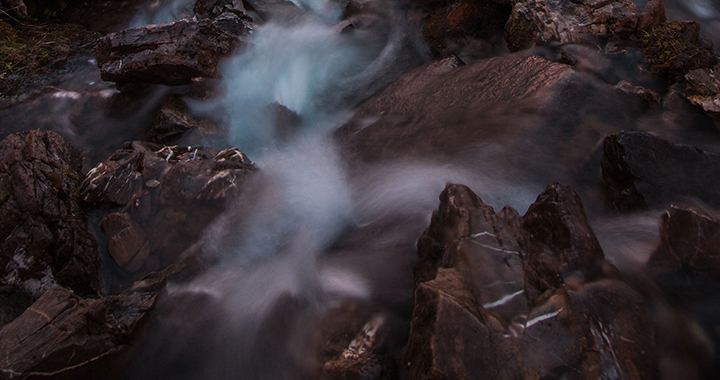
(703,89)
(44,241)
(503,296)
(63,336)
(170,193)
(535,22)
(169,54)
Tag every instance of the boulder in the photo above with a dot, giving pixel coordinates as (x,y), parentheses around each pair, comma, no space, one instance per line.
(172,193)
(675,48)
(43,232)
(66,337)
(506,297)
(641,171)
(703,89)
(536,22)
(214,8)
(652,15)
(175,119)
(169,54)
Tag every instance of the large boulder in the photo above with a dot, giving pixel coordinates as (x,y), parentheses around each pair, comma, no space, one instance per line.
(506,297)
(172,193)
(641,170)
(535,22)
(169,54)
(44,240)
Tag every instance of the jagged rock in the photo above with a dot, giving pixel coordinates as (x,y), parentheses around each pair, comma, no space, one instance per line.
(169,54)
(128,243)
(689,242)
(459,20)
(703,89)
(67,337)
(652,15)
(504,297)
(535,22)
(175,119)
(214,8)
(359,360)
(641,170)
(43,232)
(172,193)
(675,48)
(285,122)
(650,97)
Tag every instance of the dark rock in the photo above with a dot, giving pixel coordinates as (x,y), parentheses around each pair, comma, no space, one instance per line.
(43,231)
(359,359)
(214,8)
(536,22)
(652,15)
(703,89)
(459,20)
(169,54)
(673,49)
(504,297)
(65,337)
(641,170)
(650,97)
(128,243)
(689,242)
(285,122)
(175,118)
(172,193)
(17,8)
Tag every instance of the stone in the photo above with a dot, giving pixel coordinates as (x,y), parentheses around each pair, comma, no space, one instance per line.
(359,359)
(641,171)
(17,8)
(169,54)
(652,15)
(537,22)
(649,97)
(506,297)
(43,231)
(214,8)
(171,194)
(703,89)
(176,119)
(64,336)
(675,48)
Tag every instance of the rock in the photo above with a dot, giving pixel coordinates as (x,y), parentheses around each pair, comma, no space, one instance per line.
(703,89)
(169,54)
(652,15)
(128,243)
(172,193)
(17,8)
(175,119)
(285,122)
(536,22)
(454,21)
(214,8)
(359,359)
(43,232)
(649,97)
(689,243)
(66,337)
(507,297)
(673,49)
(641,170)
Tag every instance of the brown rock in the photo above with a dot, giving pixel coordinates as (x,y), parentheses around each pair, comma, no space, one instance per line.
(536,22)
(169,54)
(175,118)
(214,8)
(703,89)
(652,15)
(43,231)
(172,194)
(66,337)
(546,313)
(641,170)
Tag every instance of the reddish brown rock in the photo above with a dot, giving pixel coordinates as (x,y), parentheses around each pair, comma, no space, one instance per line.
(641,170)
(43,232)
(169,54)
(172,193)
(703,89)
(66,337)
(652,15)
(504,297)
(536,22)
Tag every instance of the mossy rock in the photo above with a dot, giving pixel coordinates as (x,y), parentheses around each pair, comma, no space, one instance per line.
(673,49)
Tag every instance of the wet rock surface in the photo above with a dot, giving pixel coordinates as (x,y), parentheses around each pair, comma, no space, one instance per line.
(703,89)
(172,193)
(169,54)
(45,241)
(175,119)
(503,296)
(534,22)
(641,170)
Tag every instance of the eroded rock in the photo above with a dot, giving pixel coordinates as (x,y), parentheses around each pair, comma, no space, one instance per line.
(506,297)
(703,89)
(43,232)
(172,193)
(535,22)
(641,170)
(169,54)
